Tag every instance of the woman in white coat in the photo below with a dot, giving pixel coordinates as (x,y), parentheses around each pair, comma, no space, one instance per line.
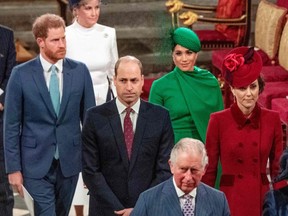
(93,44)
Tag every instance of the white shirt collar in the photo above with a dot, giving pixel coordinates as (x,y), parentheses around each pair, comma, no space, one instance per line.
(46,65)
(180,193)
(121,107)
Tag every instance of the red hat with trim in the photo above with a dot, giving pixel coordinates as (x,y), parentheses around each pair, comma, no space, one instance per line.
(241,66)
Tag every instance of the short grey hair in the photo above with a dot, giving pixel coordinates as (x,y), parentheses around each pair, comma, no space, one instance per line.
(191,146)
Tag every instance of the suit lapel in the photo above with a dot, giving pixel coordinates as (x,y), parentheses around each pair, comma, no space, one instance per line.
(170,199)
(202,204)
(116,126)
(139,132)
(40,82)
(67,85)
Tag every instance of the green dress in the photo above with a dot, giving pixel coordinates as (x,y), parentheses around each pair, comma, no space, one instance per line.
(190,98)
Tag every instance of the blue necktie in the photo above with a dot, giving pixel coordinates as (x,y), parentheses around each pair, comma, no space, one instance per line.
(54,89)
(55,97)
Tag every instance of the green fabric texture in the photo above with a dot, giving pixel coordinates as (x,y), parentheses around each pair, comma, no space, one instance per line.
(190,98)
(187,38)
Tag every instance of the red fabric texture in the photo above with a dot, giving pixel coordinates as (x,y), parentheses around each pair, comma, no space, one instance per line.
(231,9)
(146,88)
(282,3)
(243,150)
(266,60)
(281,105)
(273,90)
(274,74)
(218,57)
(211,35)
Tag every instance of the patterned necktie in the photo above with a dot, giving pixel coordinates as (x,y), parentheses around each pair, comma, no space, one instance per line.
(55,97)
(188,208)
(128,131)
(54,89)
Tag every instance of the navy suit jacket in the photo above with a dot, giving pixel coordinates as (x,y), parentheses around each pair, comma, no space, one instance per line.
(115,182)
(31,127)
(7,57)
(162,200)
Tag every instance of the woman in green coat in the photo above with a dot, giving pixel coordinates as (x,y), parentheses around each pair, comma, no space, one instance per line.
(190,93)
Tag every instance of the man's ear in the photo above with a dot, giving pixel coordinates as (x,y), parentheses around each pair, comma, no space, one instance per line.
(41,42)
(171,165)
(205,168)
(114,79)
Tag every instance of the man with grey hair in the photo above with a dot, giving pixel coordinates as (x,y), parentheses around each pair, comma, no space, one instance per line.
(184,193)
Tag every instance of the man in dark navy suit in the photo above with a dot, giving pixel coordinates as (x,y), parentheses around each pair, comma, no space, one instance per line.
(114,170)
(7,62)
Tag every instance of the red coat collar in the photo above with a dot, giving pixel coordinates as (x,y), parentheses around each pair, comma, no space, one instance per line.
(242,120)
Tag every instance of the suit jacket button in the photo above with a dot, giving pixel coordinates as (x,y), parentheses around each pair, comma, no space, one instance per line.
(239,160)
(240,176)
(255,160)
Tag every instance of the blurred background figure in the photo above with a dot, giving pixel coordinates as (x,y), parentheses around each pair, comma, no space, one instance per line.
(245,137)
(276,200)
(96,46)
(188,92)
(7,62)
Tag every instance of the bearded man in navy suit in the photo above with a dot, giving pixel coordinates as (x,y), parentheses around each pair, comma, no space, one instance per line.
(114,172)
(188,163)
(42,132)
(7,62)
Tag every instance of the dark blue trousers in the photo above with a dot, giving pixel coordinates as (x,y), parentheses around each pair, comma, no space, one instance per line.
(6,193)
(52,194)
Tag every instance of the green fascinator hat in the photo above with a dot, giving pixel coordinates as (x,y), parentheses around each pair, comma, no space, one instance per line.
(187,38)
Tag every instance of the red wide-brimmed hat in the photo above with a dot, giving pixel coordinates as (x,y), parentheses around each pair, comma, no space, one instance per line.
(241,66)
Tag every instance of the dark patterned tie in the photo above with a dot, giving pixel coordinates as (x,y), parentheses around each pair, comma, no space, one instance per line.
(128,131)
(188,208)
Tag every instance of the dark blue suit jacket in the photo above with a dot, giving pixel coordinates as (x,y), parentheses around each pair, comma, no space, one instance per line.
(31,127)
(162,200)
(7,57)
(276,202)
(114,182)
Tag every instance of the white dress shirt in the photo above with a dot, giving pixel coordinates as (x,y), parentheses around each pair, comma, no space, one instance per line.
(47,73)
(181,194)
(133,115)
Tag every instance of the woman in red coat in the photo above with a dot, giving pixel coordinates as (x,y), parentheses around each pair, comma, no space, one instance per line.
(244,137)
